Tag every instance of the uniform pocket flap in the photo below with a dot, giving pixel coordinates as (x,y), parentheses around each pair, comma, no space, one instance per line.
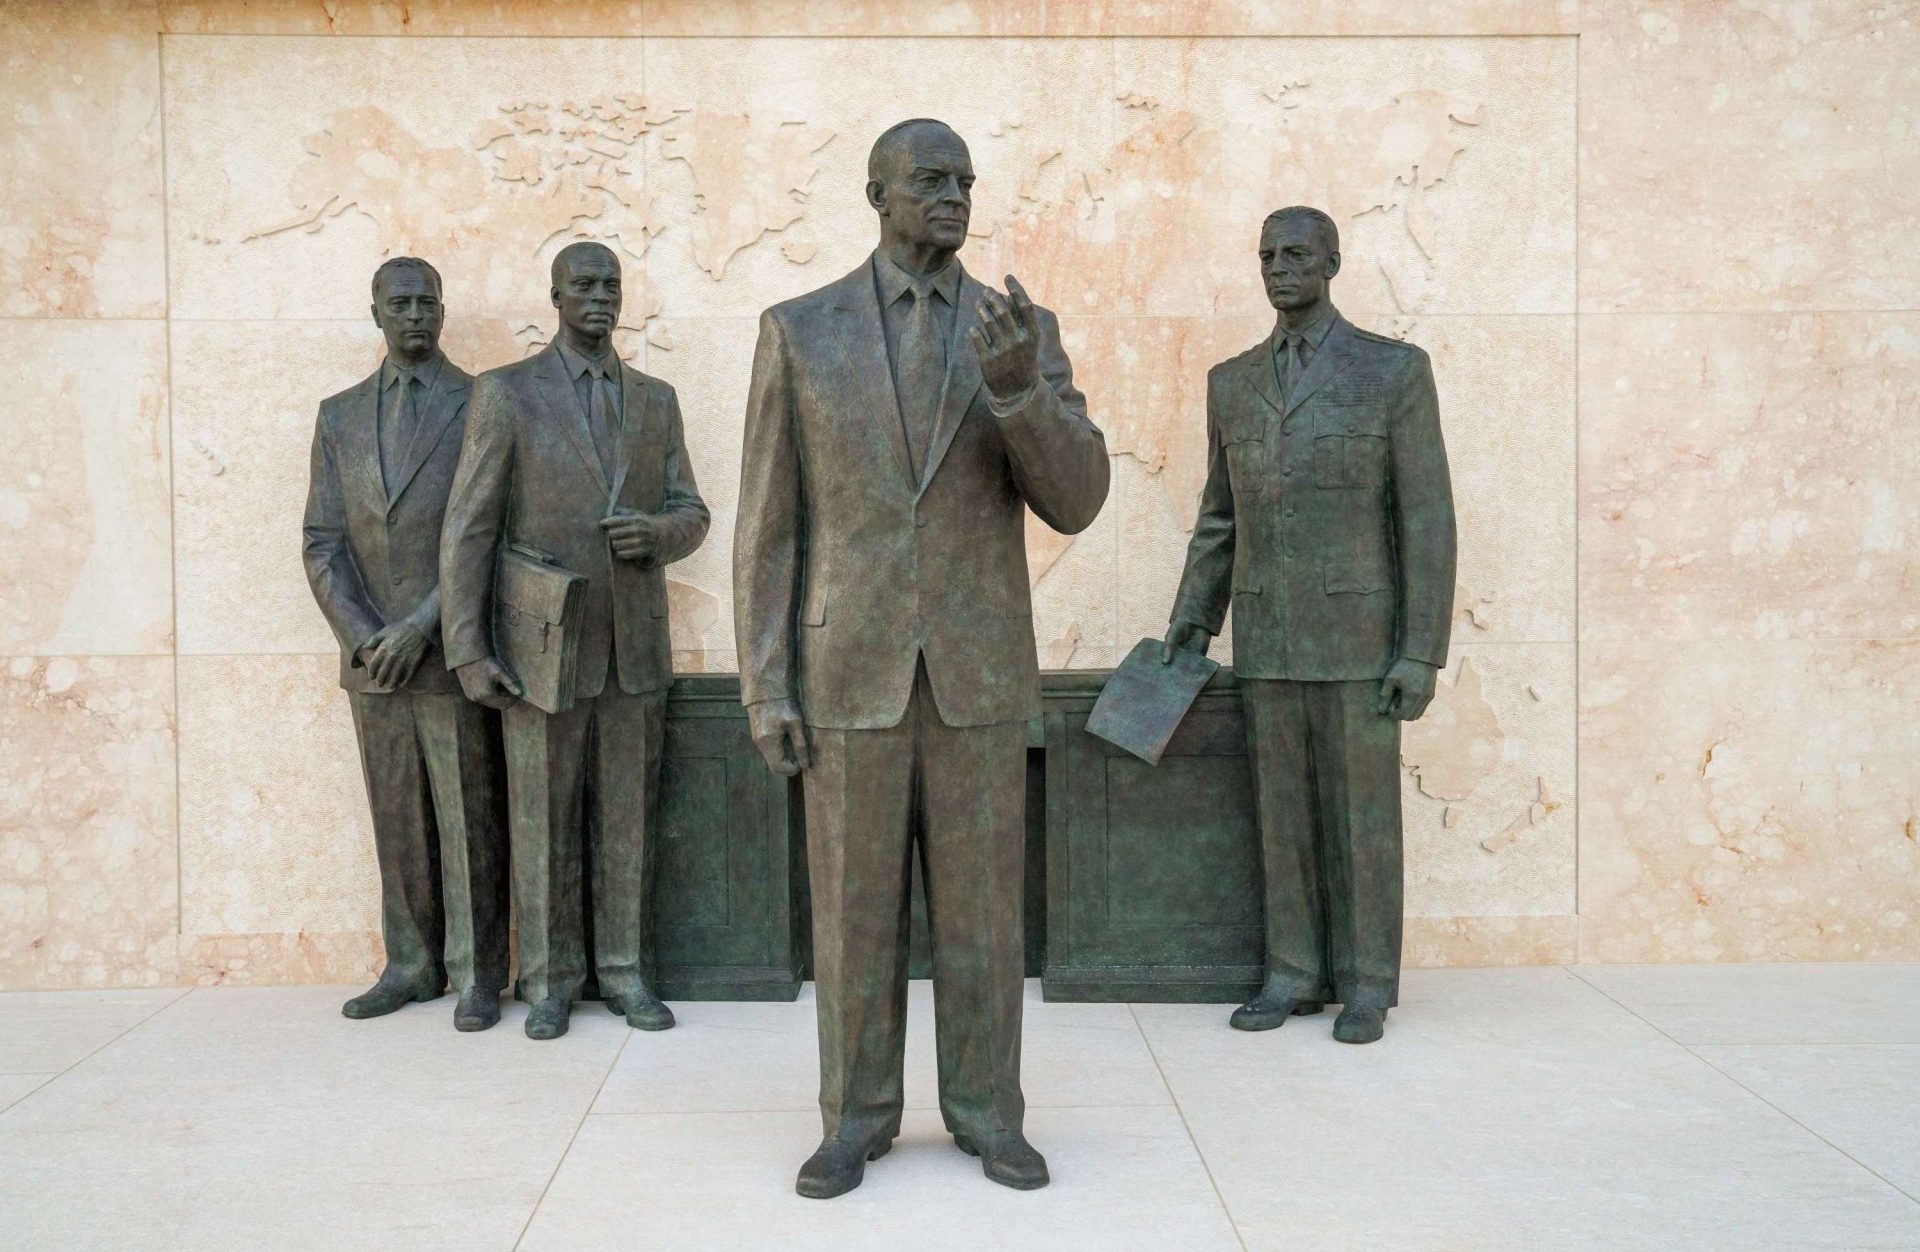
(1246,588)
(1348,579)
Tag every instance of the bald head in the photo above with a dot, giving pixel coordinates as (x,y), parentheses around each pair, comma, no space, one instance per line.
(565,259)
(920,182)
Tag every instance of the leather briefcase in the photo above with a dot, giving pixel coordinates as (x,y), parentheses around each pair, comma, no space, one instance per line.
(538,606)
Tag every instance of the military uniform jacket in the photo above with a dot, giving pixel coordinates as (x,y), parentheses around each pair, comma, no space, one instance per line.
(846,571)
(372,547)
(529,475)
(1326,518)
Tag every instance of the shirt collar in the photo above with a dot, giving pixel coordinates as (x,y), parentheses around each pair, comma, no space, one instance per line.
(426,372)
(1314,333)
(894,281)
(578,363)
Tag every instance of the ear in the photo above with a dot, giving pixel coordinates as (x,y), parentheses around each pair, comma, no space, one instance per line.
(374,309)
(553,294)
(877,196)
(1333,264)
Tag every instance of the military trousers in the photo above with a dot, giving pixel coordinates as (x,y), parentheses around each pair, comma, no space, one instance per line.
(436,785)
(964,790)
(583,788)
(1326,778)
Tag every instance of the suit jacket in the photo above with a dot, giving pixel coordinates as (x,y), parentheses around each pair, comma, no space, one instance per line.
(1329,518)
(372,548)
(529,475)
(846,570)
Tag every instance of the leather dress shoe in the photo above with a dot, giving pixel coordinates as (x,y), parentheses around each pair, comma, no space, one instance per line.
(1360,1023)
(548,1019)
(837,1167)
(1270,1010)
(1008,1159)
(642,1009)
(384,998)
(478,1009)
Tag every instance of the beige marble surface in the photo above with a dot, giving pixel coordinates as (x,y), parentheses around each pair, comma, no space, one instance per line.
(1746,156)
(83,232)
(1662,270)
(274,832)
(88,891)
(85,527)
(1749,801)
(1750,476)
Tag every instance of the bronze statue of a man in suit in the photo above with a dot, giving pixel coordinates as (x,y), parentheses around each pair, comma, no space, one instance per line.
(900,423)
(384,452)
(1328,518)
(577,456)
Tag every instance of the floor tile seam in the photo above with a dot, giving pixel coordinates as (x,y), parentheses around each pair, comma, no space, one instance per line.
(1911,1197)
(1749,1091)
(44,1080)
(909,1108)
(57,1075)
(561,1160)
(1219,1196)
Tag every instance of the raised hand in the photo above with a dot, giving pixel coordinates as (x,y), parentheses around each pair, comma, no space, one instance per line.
(1007,341)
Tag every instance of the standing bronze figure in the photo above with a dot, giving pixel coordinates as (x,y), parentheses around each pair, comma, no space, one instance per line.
(1328,517)
(900,423)
(575,460)
(384,452)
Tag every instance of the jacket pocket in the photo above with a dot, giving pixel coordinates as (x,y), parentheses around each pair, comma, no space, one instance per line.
(1360,578)
(1349,448)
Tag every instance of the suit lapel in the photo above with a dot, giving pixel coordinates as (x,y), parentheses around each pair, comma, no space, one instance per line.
(361,440)
(863,348)
(564,409)
(444,398)
(963,376)
(1333,356)
(1262,377)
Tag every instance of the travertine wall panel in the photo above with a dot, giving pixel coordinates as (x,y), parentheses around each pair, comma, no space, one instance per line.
(1749,801)
(274,833)
(1704,373)
(85,531)
(1750,476)
(1751,155)
(83,234)
(87,883)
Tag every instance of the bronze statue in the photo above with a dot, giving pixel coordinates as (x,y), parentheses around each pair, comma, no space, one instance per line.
(384,452)
(899,423)
(576,461)
(1328,516)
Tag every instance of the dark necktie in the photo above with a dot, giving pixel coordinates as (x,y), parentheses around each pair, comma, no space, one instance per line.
(396,433)
(600,418)
(1291,364)
(922,374)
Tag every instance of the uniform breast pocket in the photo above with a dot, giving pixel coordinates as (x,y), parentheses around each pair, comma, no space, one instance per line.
(1247,459)
(1349,449)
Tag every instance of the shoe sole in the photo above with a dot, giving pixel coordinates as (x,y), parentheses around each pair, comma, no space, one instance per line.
(1014,1184)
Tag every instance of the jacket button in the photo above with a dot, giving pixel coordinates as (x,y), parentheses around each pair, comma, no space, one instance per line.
(396,580)
(1351,429)
(920,523)
(1289,512)
(1286,471)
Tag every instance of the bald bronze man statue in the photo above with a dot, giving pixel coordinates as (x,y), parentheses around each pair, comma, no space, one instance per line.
(578,458)
(900,423)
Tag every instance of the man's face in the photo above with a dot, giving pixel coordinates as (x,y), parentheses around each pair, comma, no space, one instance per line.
(588,294)
(1296,263)
(927,193)
(407,310)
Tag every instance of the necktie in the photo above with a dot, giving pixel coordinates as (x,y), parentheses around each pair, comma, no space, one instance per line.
(921,373)
(1290,365)
(396,435)
(600,415)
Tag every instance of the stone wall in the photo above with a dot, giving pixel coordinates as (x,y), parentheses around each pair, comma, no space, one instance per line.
(1664,254)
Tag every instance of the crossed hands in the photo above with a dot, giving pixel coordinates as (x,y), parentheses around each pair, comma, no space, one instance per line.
(393,653)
